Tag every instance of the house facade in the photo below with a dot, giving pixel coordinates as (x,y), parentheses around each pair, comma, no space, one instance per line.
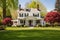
(28,17)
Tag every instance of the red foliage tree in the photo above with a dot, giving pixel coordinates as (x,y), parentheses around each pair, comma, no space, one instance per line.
(52,17)
(7,21)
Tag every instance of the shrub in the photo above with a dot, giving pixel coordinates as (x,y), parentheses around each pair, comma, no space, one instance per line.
(7,21)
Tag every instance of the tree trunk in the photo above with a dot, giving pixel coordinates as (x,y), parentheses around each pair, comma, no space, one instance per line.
(4,9)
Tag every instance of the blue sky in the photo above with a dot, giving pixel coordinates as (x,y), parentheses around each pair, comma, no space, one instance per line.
(49,4)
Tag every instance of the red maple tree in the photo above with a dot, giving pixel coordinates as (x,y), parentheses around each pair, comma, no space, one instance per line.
(7,21)
(52,17)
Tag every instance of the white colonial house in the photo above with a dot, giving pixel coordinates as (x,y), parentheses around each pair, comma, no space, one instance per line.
(28,17)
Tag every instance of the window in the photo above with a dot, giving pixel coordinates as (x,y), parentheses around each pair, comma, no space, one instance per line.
(21,14)
(37,22)
(28,10)
(21,21)
(36,15)
(26,14)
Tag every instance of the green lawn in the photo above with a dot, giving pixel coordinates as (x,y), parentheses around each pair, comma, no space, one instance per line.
(31,34)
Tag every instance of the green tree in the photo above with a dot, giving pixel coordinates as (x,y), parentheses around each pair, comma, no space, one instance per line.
(34,3)
(12,5)
(7,5)
(3,5)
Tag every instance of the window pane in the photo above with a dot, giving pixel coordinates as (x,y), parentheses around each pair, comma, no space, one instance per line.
(21,15)
(26,14)
(36,15)
(21,21)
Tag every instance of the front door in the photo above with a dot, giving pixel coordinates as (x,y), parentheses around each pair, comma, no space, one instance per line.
(30,23)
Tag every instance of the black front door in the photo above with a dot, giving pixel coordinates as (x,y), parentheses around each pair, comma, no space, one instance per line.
(30,23)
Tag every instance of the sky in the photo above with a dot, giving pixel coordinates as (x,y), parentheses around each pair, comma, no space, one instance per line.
(49,4)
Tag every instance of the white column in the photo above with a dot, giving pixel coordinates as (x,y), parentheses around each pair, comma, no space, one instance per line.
(19,22)
(26,23)
(34,22)
(42,22)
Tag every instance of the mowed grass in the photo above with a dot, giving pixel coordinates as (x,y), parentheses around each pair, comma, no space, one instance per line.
(31,34)
(33,28)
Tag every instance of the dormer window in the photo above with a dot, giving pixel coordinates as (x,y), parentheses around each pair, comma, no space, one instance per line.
(36,15)
(28,10)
